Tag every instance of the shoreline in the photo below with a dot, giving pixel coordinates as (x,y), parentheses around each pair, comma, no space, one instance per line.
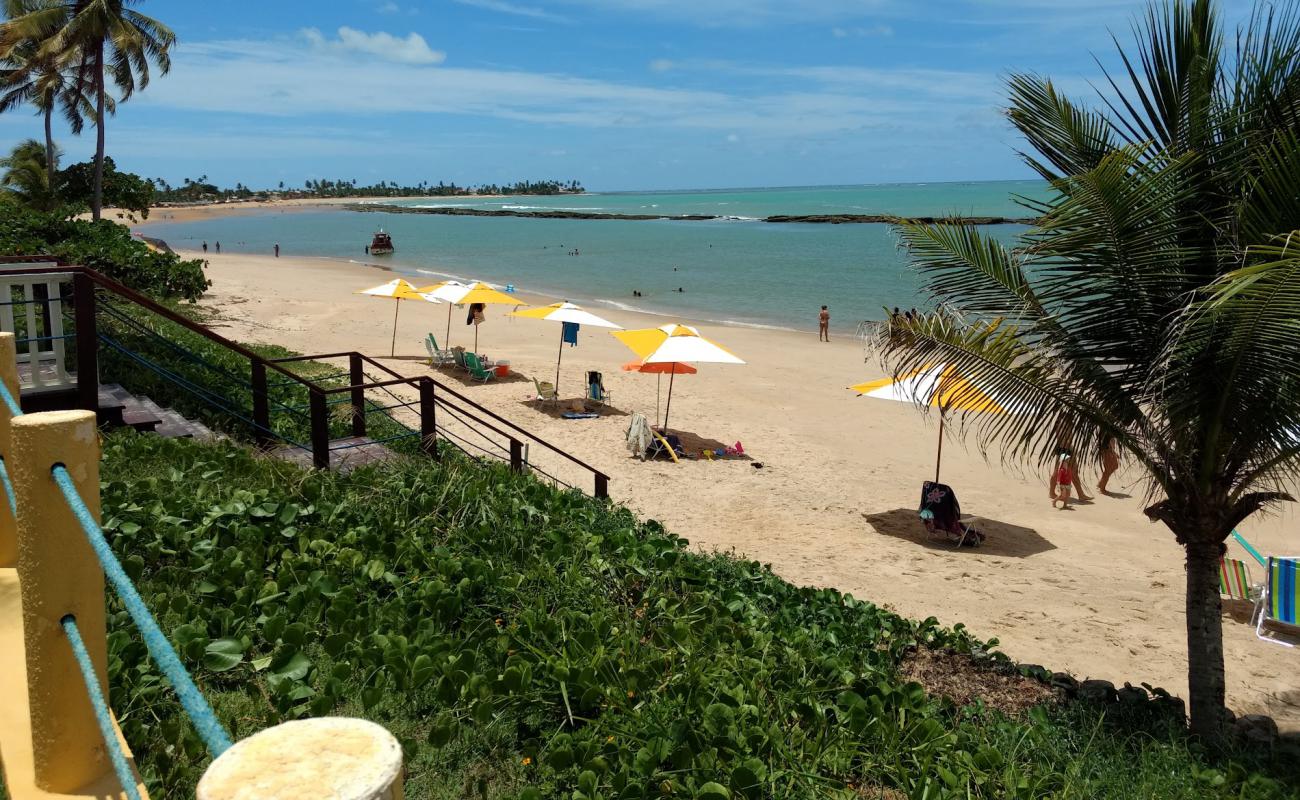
(834,502)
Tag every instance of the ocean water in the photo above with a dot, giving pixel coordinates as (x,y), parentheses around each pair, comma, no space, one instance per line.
(736,270)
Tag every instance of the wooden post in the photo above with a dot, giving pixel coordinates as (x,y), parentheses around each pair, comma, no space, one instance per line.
(338,757)
(602,485)
(83,295)
(261,405)
(9,375)
(320,430)
(428,424)
(358,377)
(59,574)
(516,455)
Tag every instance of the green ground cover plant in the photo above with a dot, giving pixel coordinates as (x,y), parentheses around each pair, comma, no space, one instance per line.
(524,642)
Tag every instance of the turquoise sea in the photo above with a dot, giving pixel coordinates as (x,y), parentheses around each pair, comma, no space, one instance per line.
(736,270)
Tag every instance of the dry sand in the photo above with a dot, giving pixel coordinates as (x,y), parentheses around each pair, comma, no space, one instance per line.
(199,211)
(1097,590)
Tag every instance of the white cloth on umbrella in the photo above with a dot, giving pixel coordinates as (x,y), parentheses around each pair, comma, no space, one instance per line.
(639,435)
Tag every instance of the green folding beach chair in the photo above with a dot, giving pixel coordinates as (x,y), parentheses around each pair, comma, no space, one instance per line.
(476,368)
(1276,609)
(437,356)
(1235,582)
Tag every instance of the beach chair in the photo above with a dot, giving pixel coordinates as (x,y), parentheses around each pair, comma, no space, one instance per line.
(546,391)
(437,356)
(596,389)
(476,369)
(458,357)
(941,513)
(1275,611)
(1235,582)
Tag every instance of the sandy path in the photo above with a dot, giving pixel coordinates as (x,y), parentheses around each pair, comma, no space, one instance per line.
(1096,591)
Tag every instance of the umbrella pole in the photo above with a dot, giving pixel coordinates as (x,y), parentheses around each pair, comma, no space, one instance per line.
(558,356)
(669,405)
(446,340)
(939,455)
(396,308)
(659,382)
(476,338)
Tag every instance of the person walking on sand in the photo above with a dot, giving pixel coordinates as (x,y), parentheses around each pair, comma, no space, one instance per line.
(277,249)
(824,325)
(1065,447)
(1109,458)
(205,247)
(1062,478)
(218,248)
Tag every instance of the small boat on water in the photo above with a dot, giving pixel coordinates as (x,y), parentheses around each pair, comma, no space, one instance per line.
(382,244)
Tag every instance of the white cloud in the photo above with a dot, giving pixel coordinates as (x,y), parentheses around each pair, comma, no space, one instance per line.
(870,31)
(389,8)
(504,7)
(733,138)
(662,65)
(385,46)
(313,77)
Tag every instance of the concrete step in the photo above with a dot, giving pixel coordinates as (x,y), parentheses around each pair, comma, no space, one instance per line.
(345,454)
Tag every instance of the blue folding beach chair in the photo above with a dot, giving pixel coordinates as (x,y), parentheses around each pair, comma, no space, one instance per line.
(1275,611)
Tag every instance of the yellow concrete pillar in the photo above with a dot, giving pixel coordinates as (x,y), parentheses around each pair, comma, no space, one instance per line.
(9,375)
(59,575)
(335,757)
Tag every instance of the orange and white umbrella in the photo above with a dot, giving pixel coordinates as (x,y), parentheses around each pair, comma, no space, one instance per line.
(941,386)
(659,369)
(674,343)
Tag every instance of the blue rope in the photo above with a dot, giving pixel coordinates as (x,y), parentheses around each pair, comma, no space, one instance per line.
(201,715)
(15,410)
(9,487)
(102,715)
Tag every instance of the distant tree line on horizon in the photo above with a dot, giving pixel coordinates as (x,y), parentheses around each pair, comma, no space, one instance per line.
(197,190)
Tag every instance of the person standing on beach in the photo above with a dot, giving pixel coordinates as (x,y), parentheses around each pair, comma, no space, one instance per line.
(218,247)
(1109,458)
(205,247)
(277,249)
(824,325)
(1063,478)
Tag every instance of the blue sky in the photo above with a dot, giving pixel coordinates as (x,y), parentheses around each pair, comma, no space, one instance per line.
(620,94)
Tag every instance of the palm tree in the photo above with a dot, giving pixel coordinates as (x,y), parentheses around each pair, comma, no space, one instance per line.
(1156,299)
(104,38)
(28,78)
(26,176)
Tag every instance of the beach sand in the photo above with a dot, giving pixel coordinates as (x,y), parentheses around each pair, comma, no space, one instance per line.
(200,211)
(1096,591)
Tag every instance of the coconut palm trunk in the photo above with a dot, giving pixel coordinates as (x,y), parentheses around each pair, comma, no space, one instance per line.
(1205,671)
(97,200)
(49,146)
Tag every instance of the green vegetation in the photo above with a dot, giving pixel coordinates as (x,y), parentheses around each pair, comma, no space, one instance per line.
(1155,301)
(198,190)
(105,246)
(95,41)
(524,642)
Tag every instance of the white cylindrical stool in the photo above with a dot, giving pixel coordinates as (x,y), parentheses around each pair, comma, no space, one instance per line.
(330,758)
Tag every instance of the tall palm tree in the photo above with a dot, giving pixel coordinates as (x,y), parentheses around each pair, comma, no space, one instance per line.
(26,177)
(47,84)
(105,38)
(1156,299)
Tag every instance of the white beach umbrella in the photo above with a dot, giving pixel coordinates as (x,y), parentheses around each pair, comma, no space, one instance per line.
(564,312)
(458,293)
(675,343)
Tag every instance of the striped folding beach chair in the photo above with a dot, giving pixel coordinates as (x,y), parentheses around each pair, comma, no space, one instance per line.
(1276,609)
(1235,582)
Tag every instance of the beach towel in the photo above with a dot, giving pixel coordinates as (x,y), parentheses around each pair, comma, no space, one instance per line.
(580,415)
(570,334)
(638,436)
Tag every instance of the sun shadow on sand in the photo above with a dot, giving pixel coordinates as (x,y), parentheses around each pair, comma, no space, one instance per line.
(557,409)
(1001,538)
(465,379)
(1239,610)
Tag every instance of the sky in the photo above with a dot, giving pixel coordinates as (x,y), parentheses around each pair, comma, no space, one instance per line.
(618,94)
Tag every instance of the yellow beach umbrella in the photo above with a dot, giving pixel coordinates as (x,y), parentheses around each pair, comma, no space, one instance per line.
(941,386)
(564,312)
(399,290)
(674,343)
(468,293)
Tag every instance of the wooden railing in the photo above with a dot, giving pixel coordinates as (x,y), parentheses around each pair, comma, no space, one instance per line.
(431,394)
